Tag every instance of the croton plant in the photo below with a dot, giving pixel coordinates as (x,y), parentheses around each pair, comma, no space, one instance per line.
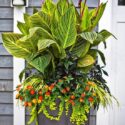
(59,44)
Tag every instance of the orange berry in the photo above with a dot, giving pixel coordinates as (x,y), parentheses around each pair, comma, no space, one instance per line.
(19,85)
(81,99)
(34,101)
(87,88)
(32,92)
(29,104)
(73,103)
(91,99)
(48,93)
(83,95)
(72,97)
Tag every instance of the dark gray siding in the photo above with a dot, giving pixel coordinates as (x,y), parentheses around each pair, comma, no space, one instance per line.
(6,66)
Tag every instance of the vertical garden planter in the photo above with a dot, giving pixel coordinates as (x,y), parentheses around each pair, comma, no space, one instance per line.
(58,43)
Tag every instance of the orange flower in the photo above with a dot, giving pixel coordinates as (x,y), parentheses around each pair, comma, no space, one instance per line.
(48,93)
(63,91)
(40,98)
(29,87)
(19,85)
(32,92)
(91,99)
(87,88)
(94,94)
(72,102)
(25,104)
(67,89)
(29,104)
(40,92)
(17,96)
(39,101)
(72,97)
(46,86)
(83,95)
(60,80)
(21,98)
(81,99)
(18,89)
(34,101)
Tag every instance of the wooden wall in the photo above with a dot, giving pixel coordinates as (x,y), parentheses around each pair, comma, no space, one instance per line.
(6,62)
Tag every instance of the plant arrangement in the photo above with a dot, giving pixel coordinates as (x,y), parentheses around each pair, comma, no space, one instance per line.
(59,43)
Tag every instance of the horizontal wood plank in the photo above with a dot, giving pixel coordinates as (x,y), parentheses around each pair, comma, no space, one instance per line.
(6,25)
(3,51)
(6,85)
(6,61)
(5,3)
(6,120)
(6,73)
(6,109)
(6,97)
(92,120)
(6,13)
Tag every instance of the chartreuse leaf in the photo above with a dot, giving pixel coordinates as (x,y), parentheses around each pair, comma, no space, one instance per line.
(24,27)
(89,36)
(97,15)
(30,41)
(86,61)
(66,31)
(48,7)
(45,43)
(81,48)
(9,41)
(102,37)
(40,19)
(40,62)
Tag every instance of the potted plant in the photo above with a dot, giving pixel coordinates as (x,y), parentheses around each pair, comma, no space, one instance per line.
(58,43)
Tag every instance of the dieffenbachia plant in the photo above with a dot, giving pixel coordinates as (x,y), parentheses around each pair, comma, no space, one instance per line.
(58,41)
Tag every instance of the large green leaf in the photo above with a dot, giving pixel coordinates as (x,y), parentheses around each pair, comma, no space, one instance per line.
(9,41)
(86,61)
(102,37)
(30,41)
(24,27)
(45,43)
(48,7)
(40,19)
(89,36)
(81,48)
(66,31)
(40,62)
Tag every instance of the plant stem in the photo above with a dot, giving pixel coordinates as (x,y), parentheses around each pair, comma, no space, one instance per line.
(79,3)
(98,7)
(83,9)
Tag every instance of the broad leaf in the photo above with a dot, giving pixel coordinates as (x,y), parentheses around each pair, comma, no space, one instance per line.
(40,19)
(40,62)
(81,48)
(48,7)
(89,36)
(86,61)
(9,41)
(66,31)
(30,41)
(45,43)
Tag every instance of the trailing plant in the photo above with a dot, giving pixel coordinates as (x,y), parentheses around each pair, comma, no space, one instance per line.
(58,44)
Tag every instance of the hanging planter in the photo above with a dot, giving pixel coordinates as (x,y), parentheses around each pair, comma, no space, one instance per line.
(58,45)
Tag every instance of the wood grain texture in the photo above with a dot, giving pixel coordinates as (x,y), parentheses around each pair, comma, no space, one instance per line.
(6,25)
(6,73)
(6,61)
(6,86)
(6,97)
(6,13)
(6,109)
(6,120)
(5,3)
